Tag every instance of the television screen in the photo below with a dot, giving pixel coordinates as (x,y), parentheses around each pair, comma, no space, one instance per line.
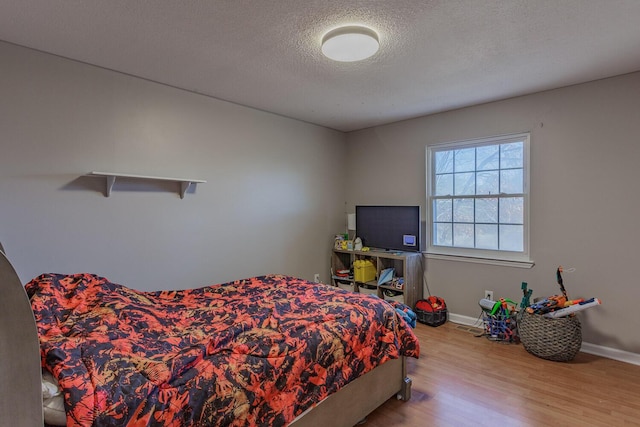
(389,227)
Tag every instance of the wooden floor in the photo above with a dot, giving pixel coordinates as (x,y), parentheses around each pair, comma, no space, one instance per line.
(464,380)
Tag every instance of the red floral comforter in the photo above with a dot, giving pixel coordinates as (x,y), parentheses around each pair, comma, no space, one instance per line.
(254,352)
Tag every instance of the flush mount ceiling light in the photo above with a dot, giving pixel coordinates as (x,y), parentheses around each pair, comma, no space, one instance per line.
(349,44)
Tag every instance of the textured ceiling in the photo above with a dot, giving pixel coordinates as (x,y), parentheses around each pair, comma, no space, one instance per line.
(434,55)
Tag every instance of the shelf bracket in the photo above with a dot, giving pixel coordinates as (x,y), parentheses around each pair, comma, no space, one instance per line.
(184,186)
(110,181)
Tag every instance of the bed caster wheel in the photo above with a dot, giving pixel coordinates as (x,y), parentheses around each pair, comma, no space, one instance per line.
(405,391)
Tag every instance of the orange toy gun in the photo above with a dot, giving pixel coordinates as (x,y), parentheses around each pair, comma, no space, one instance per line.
(573,308)
(560,300)
(547,305)
(573,302)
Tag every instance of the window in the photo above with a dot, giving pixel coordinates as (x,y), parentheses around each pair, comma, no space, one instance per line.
(478,197)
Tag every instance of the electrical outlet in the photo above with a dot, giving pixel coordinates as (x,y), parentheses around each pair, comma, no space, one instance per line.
(488,295)
(316,277)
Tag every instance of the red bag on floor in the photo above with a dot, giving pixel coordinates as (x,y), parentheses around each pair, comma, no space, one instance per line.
(431,311)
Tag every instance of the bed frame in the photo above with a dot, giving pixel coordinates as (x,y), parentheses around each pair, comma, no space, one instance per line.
(20,371)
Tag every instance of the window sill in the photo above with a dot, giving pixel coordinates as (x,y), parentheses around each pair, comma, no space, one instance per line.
(500,262)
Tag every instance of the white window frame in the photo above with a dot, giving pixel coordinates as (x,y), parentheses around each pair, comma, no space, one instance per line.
(499,257)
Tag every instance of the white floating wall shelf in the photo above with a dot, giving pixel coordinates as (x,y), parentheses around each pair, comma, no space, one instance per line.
(110,178)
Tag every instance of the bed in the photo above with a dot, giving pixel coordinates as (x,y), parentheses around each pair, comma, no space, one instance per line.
(270,350)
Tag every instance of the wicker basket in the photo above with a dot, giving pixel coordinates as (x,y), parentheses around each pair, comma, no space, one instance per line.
(552,339)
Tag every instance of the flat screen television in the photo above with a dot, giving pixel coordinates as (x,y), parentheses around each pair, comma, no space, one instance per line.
(392,228)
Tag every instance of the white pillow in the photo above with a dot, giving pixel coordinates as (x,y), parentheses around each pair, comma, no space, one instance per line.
(52,401)
(50,386)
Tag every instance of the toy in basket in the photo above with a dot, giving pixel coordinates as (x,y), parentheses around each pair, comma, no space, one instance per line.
(499,320)
(431,311)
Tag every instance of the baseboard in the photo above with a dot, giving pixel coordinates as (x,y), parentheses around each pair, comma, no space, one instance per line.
(611,353)
(465,320)
(598,350)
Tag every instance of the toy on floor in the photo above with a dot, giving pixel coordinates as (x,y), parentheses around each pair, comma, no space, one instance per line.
(499,319)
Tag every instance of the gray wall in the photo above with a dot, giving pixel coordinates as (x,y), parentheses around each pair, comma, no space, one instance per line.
(273,198)
(276,187)
(584,197)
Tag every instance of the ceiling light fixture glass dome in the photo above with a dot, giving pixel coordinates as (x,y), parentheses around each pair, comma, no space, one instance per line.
(349,44)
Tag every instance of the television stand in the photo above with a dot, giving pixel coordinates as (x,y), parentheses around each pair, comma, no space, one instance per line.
(407,266)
